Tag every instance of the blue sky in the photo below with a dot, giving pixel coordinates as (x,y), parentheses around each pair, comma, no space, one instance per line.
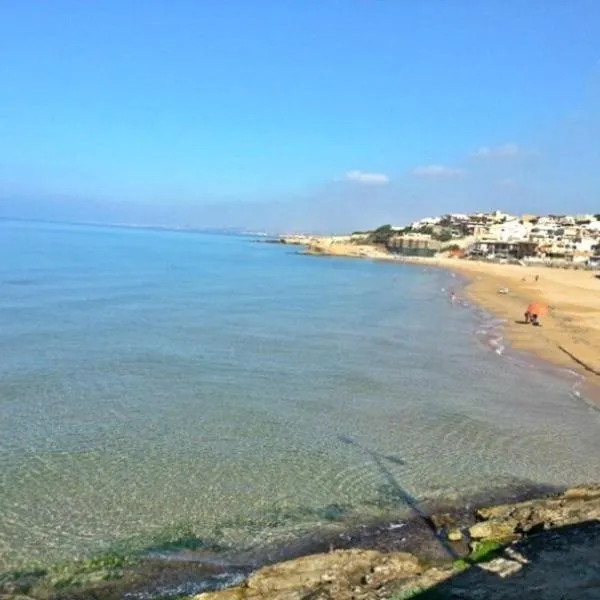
(297,114)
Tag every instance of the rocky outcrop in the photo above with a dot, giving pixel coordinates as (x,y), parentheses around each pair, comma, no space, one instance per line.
(341,574)
(548,549)
(506,570)
(510,521)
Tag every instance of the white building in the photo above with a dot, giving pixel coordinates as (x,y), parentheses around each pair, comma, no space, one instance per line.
(498,216)
(547,221)
(585,244)
(510,230)
(594,226)
(426,222)
(542,232)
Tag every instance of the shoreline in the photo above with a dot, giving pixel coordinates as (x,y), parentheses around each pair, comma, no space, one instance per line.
(442,536)
(570,334)
(562,341)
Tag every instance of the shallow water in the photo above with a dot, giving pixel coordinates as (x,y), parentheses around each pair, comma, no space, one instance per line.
(162,384)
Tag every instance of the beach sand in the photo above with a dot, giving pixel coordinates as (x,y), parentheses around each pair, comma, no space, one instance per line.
(570,334)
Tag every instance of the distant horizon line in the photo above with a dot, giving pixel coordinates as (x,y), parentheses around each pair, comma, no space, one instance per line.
(174,228)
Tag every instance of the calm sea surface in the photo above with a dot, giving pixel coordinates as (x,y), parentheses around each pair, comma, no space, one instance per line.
(157,385)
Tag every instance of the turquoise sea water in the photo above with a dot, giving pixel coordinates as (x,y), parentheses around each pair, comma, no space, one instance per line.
(155,381)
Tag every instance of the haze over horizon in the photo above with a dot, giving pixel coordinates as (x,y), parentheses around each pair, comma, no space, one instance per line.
(298,115)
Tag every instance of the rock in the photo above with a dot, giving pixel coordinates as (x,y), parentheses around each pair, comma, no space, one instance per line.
(236,593)
(342,567)
(493,529)
(514,555)
(340,574)
(502,567)
(427,580)
(396,566)
(480,531)
(502,511)
(574,506)
(444,520)
(369,574)
(583,492)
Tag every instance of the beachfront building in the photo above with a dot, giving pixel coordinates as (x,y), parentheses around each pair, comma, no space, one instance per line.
(542,233)
(510,230)
(594,259)
(413,244)
(575,250)
(516,249)
(474,229)
(496,234)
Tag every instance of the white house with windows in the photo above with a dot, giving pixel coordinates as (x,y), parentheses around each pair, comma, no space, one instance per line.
(510,230)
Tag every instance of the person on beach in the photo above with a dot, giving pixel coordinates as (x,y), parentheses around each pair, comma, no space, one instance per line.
(535,320)
(527,316)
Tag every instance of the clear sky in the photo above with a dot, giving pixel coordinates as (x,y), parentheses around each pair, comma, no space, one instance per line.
(297,114)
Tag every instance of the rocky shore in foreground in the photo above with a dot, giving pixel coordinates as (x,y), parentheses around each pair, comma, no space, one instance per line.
(546,548)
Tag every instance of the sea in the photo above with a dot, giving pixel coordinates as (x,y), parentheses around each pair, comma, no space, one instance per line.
(166,388)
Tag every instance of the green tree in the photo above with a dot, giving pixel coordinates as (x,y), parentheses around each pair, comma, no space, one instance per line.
(444,236)
(381,235)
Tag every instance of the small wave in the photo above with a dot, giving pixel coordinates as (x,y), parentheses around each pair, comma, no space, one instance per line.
(490,331)
(206,584)
(578,382)
(496,343)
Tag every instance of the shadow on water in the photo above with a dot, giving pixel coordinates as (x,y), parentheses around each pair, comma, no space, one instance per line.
(398,493)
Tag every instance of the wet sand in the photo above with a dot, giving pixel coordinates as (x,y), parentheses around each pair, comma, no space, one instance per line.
(570,333)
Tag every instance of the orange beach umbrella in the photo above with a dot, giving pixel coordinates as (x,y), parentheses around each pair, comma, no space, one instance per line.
(537,308)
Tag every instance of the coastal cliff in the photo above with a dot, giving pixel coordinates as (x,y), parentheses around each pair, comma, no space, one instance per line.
(337,245)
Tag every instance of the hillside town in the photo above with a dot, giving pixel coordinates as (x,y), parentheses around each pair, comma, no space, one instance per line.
(573,239)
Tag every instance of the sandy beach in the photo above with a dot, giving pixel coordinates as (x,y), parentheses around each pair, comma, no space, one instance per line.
(570,334)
